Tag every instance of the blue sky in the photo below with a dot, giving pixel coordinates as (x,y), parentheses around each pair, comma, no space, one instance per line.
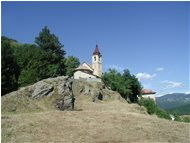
(151,39)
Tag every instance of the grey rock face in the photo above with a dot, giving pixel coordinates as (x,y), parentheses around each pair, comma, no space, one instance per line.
(65,90)
(95,90)
(60,87)
(66,104)
(42,89)
(61,92)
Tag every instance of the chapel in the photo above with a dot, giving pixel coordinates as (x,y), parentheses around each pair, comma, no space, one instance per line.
(90,71)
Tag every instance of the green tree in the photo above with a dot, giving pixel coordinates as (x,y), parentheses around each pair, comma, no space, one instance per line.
(70,64)
(9,69)
(112,79)
(136,89)
(126,84)
(49,42)
(55,53)
(33,62)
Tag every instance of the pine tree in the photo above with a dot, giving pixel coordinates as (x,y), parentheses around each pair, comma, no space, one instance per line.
(54,49)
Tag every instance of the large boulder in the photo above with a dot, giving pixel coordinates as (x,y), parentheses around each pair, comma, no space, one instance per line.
(95,90)
(57,90)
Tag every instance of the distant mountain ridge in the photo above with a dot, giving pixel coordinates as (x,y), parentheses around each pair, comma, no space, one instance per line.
(182,110)
(174,100)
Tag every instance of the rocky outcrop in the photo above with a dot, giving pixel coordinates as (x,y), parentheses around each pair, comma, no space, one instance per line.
(42,89)
(95,90)
(60,87)
(59,92)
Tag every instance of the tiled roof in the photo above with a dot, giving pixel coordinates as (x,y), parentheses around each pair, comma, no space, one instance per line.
(147,91)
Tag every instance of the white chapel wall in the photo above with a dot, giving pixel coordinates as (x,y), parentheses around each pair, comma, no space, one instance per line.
(79,74)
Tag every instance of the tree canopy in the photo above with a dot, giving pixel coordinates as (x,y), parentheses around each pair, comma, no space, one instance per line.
(49,42)
(9,69)
(71,63)
(25,64)
(126,84)
(54,51)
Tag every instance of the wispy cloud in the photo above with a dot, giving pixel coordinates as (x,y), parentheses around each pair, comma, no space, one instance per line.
(159,95)
(118,68)
(145,76)
(188,92)
(171,84)
(159,69)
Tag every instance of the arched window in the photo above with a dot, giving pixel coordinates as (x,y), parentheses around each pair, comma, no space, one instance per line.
(94,58)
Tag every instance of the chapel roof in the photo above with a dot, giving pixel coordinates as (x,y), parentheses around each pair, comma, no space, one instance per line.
(81,67)
(84,66)
(90,66)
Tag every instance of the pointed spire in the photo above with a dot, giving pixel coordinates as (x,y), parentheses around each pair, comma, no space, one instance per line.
(96,51)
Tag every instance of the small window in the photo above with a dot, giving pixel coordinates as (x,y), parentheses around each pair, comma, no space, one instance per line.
(94,58)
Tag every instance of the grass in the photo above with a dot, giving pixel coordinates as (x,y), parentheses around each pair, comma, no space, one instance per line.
(112,121)
(19,104)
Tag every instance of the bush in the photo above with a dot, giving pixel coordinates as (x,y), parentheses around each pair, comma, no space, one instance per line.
(152,108)
(176,116)
(149,104)
(186,119)
(162,113)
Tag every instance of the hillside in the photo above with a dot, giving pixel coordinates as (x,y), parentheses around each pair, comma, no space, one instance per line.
(182,110)
(100,115)
(174,100)
(102,122)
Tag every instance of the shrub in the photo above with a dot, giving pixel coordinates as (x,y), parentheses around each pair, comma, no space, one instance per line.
(149,104)
(186,119)
(176,116)
(152,108)
(162,113)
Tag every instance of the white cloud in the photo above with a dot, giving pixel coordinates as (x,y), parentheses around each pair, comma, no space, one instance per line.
(171,84)
(160,69)
(145,76)
(188,92)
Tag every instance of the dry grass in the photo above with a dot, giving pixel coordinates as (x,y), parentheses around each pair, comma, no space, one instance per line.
(18,104)
(100,122)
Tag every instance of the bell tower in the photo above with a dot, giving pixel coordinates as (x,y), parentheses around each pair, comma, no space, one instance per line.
(97,62)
